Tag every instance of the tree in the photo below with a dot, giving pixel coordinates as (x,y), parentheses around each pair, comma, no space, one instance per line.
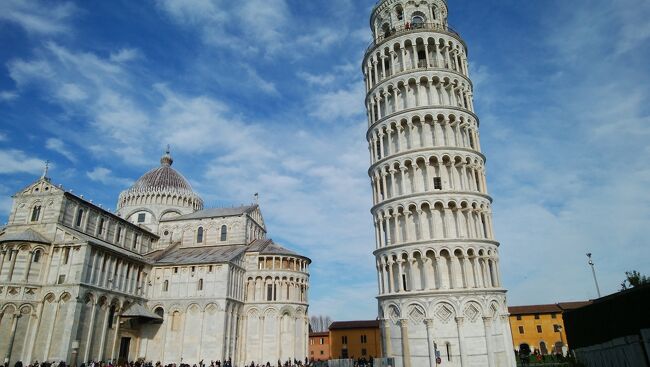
(634,279)
(320,323)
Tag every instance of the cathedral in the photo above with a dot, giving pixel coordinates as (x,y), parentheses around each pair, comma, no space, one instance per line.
(161,279)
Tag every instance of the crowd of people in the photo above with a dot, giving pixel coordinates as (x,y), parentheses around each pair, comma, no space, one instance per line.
(226,363)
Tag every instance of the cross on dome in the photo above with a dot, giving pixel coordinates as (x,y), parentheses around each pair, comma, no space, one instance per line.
(166,159)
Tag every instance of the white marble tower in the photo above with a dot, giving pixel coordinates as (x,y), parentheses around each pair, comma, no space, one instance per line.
(440,292)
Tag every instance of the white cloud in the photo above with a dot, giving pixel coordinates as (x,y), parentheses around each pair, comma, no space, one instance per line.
(6,95)
(59,146)
(125,55)
(340,104)
(106,177)
(37,17)
(314,79)
(3,137)
(14,161)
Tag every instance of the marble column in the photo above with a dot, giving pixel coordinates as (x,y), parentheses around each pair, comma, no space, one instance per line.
(406,352)
(461,338)
(430,342)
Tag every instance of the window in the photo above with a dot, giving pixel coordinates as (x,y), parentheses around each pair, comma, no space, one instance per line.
(539,328)
(36,213)
(176,321)
(437,183)
(400,13)
(66,255)
(193,269)
(519,317)
(210,269)
(321,352)
(344,339)
(176,270)
(521,330)
(111,316)
(364,351)
(100,226)
(200,285)
(142,217)
(199,235)
(322,341)
(537,317)
(404,284)
(118,236)
(61,279)
(165,286)
(364,339)
(554,316)
(224,233)
(417,21)
(136,238)
(80,216)
(269,292)
(37,256)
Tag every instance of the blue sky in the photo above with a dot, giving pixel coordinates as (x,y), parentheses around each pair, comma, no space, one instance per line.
(267,96)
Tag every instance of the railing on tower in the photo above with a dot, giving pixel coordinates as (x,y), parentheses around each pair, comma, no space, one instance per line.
(412,27)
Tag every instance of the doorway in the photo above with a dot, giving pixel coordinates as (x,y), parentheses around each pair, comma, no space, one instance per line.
(125,344)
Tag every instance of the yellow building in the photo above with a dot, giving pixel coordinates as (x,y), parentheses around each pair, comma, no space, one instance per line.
(355,339)
(541,327)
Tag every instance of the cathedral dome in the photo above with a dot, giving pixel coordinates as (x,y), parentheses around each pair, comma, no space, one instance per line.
(161,191)
(163,178)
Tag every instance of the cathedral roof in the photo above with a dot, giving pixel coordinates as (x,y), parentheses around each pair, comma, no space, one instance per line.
(201,255)
(214,213)
(268,247)
(28,235)
(163,178)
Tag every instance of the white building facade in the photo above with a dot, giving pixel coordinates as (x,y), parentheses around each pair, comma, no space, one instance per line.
(163,279)
(440,292)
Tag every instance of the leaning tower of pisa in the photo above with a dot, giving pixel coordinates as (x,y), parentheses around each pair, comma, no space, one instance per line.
(440,291)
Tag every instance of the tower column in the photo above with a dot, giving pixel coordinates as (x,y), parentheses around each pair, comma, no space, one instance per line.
(406,351)
(430,342)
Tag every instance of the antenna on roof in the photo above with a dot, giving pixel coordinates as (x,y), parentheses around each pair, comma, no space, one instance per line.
(256,198)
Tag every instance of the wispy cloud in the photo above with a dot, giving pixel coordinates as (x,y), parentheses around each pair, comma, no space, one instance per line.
(16,161)
(37,17)
(6,95)
(107,177)
(59,146)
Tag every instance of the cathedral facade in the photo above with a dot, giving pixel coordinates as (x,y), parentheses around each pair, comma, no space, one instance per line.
(161,279)
(441,299)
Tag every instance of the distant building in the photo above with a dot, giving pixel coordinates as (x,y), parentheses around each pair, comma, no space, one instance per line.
(319,346)
(541,327)
(355,339)
(612,330)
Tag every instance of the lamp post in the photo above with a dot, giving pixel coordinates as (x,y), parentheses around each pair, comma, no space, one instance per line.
(593,272)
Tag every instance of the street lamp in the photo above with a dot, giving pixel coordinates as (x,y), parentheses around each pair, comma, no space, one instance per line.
(593,271)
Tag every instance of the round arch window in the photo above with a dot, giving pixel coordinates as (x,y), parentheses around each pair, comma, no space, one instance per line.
(417,21)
